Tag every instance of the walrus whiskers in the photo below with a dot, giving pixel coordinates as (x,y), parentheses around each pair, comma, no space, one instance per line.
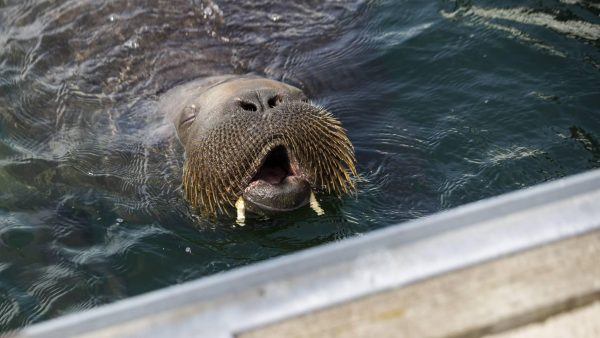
(224,160)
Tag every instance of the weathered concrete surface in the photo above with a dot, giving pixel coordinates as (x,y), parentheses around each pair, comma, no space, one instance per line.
(494,297)
(579,323)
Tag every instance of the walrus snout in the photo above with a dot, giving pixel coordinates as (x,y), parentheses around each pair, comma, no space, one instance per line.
(276,186)
(257,142)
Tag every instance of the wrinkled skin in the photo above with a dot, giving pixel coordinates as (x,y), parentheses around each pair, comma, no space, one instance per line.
(273,175)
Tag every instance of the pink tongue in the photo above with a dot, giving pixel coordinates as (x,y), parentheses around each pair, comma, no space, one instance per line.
(272,175)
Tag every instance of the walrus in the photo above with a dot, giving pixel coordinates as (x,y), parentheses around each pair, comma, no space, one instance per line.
(256,143)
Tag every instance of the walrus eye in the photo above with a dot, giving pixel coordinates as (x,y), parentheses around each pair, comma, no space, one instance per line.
(274,101)
(248,106)
(189,115)
(188,119)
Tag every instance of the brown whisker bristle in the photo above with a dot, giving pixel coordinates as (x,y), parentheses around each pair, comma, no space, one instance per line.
(221,164)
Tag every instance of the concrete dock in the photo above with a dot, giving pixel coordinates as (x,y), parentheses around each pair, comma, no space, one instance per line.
(525,264)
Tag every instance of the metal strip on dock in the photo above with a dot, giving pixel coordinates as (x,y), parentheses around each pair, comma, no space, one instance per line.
(247,298)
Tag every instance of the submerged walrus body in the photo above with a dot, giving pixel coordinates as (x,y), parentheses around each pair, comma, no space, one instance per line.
(87,115)
(258,142)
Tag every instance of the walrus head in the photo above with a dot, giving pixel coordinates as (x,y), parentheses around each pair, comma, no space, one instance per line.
(259,140)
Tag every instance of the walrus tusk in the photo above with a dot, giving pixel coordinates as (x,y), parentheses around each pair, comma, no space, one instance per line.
(241,212)
(314,204)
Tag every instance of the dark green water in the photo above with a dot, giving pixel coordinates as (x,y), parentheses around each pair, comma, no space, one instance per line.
(446,102)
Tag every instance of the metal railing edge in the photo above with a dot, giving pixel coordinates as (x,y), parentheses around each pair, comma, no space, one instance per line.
(251,276)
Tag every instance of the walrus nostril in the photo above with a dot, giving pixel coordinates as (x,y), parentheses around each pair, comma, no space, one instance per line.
(274,101)
(248,106)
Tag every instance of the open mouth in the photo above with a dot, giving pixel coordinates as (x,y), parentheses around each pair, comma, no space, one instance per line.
(276,186)
(275,168)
